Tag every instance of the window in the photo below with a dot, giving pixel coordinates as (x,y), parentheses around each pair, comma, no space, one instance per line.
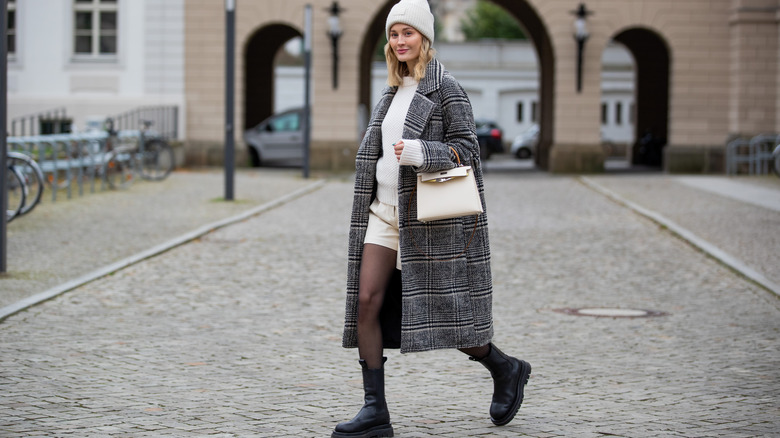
(632,114)
(534,114)
(286,122)
(618,113)
(95,28)
(11,31)
(604,113)
(520,112)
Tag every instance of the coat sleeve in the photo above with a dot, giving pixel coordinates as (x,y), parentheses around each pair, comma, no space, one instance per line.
(460,132)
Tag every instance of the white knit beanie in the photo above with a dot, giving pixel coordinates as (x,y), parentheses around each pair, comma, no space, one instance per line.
(415,13)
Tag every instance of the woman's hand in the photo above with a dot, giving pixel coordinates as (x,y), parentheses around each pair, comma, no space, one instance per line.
(399,148)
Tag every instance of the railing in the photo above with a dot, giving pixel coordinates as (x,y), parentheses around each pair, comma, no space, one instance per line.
(752,156)
(164,118)
(54,121)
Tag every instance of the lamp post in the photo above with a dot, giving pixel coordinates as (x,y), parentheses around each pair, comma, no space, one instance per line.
(580,35)
(230,32)
(3,141)
(335,32)
(307,90)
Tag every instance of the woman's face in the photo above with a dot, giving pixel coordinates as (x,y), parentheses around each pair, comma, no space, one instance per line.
(406,43)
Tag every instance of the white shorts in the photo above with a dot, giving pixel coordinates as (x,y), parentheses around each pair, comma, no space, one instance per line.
(383,228)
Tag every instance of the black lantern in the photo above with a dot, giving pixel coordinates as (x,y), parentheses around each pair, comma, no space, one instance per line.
(335,32)
(580,35)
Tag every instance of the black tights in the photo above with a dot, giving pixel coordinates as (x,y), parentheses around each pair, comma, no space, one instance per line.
(376,269)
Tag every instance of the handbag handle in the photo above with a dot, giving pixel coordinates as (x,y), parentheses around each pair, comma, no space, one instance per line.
(457,157)
(411,229)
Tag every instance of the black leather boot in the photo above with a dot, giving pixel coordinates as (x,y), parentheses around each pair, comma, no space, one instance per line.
(373,420)
(509,378)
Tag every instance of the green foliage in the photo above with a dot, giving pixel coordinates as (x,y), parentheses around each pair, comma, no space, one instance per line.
(488,20)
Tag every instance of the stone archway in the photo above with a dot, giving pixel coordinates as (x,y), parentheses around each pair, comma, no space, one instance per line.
(259,53)
(522,11)
(374,31)
(652,59)
(537,33)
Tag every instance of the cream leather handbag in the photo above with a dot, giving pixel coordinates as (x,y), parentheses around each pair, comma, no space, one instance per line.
(447,193)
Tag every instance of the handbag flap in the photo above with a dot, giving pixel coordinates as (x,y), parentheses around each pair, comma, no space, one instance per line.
(445,175)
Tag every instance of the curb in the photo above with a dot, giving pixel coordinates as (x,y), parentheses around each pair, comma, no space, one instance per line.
(28,302)
(685,234)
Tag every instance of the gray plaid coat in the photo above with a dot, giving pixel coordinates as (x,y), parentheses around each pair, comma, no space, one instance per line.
(445,304)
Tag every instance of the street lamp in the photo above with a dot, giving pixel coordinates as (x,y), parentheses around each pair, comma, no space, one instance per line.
(580,35)
(230,43)
(3,141)
(335,32)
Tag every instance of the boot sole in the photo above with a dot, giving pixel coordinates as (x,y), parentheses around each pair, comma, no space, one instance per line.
(381,431)
(525,372)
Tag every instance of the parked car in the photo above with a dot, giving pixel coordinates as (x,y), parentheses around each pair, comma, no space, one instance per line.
(490,136)
(524,145)
(278,139)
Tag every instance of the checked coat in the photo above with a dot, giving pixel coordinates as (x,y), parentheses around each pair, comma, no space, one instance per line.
(445,303)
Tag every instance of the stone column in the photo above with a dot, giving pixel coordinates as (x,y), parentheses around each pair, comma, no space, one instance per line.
(577,141)
(754,67)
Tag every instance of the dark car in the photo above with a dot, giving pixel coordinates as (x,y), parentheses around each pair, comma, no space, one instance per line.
(278,139)
(490,136)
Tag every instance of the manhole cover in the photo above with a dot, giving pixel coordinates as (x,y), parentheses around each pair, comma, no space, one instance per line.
(610,312)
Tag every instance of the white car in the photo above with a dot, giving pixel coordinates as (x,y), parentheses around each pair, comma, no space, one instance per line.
(524,145)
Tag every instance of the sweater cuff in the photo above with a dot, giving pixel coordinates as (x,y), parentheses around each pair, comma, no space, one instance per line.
(412,154)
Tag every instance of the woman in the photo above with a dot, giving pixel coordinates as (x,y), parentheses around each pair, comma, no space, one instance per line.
(423,118)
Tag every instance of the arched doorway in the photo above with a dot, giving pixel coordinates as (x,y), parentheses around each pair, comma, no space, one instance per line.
(259,53)
(375,31)
(522,11)
(537,33)
(652,60)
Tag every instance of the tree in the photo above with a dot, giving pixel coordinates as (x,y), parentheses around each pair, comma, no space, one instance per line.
(488,20)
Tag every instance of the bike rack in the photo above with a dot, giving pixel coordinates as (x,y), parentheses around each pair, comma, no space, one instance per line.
(65,158)
(752,155)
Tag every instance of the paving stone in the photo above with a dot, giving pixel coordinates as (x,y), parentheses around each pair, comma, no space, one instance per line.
(238,333)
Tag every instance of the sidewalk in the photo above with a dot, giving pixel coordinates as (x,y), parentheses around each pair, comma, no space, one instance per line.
(70,239)
(237,333)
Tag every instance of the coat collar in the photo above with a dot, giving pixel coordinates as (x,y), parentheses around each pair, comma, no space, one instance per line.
(434,72)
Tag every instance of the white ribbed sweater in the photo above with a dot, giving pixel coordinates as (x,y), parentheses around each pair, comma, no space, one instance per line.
(392,130)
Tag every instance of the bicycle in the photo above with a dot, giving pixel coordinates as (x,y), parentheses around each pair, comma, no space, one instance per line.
(16,193)
(156,155)
(32,179)
(149,155)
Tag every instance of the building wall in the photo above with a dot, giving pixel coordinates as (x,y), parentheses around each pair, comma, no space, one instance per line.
(754,70)
(724,73)
(45,75)
(706,104)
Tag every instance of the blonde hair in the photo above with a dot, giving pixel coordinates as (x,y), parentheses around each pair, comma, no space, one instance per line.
(396,70)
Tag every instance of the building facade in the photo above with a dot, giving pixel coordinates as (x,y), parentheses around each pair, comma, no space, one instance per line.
(95,58)
(704,71)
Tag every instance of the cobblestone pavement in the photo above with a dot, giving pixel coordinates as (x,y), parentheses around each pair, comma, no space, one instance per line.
(741,229)
(238,333)
(63,240)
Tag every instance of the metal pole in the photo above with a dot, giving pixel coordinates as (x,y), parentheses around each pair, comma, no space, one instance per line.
(230,21)
(580,49)
(3,140)
(307,91)
(335,41)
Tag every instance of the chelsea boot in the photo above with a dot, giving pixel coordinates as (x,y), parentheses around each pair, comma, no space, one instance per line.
(510,376)
(373,420)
